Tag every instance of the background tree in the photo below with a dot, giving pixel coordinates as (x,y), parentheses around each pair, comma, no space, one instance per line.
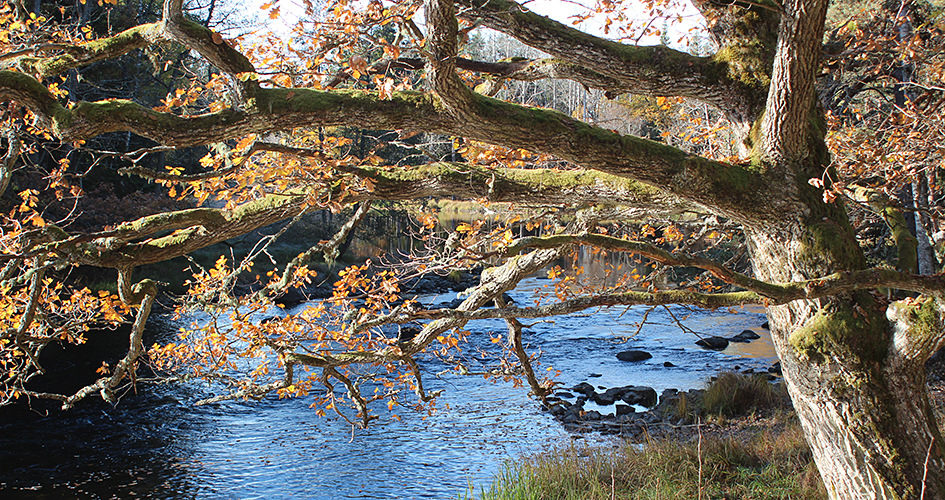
(849,349)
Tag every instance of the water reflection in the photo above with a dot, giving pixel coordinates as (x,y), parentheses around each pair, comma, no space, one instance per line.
(157,445)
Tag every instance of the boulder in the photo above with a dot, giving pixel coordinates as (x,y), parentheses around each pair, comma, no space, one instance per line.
(560,409)
(713,343)
(668,365)
(636,395)
(745,336)
(775,369)
(766,326)
(608,397)
(633,356)
(584,388)
(625,410)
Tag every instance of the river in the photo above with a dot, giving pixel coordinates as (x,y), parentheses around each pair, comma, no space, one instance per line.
(157,445)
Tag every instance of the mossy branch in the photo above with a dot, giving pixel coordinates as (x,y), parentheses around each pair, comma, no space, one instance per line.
(83,54)
(773,293)
(194,229)
(654,70)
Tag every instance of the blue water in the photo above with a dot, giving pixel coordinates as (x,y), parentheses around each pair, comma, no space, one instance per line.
(157,445)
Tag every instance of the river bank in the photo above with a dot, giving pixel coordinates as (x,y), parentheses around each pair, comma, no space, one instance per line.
(734,448)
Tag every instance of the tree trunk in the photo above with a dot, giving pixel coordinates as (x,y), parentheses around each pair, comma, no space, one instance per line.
(926,256)
(847,367)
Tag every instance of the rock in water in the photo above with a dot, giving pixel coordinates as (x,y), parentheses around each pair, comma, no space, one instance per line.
(713,343)
(745,336)
(633,356)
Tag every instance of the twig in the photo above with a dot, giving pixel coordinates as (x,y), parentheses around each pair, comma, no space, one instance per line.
(699,454)
(925,471)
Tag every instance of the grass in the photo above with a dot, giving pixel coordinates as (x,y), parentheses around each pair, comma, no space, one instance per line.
(733,394)
(771,464)
(739,461)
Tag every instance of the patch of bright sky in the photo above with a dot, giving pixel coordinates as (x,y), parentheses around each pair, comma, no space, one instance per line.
(564,11)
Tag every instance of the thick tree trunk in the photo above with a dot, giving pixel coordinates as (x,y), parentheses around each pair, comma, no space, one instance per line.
(847,368)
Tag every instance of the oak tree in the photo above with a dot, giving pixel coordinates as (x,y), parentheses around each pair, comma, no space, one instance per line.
(852,338)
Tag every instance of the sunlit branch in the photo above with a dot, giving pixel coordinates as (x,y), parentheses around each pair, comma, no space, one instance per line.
(251,392)
(353,393)
(329,249)
(515,333)
(649,251)
(421,393)
(774,293)
(527,70)
(8,162)
(151,175)
(26,321)
(146,289)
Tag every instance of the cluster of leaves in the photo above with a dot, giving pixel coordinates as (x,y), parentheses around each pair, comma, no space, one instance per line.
(633,21)
(882,91)
(46,312)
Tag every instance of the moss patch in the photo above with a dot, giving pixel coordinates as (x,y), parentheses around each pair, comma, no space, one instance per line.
(843,331)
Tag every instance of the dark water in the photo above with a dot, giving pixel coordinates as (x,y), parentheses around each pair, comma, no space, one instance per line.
(157,445)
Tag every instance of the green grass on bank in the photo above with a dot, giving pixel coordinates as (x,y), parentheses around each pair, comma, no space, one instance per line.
(769,465)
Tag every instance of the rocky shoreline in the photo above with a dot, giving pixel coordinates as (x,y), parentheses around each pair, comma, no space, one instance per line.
(672,411)
(666,414)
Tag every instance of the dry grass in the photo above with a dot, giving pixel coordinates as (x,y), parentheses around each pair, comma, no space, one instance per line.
(749,457)
(770,464)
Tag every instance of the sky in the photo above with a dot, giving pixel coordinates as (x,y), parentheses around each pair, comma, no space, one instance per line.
(559,10)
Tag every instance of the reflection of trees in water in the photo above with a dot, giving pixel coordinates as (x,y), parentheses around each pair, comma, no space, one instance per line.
(600,268)
(394,234)
(387,230)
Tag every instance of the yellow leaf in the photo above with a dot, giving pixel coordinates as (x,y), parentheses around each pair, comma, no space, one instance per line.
(37,221)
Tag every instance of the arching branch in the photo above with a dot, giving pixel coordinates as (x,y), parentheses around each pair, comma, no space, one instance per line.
(656,71)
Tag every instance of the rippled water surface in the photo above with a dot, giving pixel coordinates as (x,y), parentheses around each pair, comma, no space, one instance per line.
(157,445)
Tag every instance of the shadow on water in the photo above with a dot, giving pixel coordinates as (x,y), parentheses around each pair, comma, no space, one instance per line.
(137,449)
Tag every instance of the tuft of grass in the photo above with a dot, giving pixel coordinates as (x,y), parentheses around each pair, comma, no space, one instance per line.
(732,394)
(728,395)
(769,464)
